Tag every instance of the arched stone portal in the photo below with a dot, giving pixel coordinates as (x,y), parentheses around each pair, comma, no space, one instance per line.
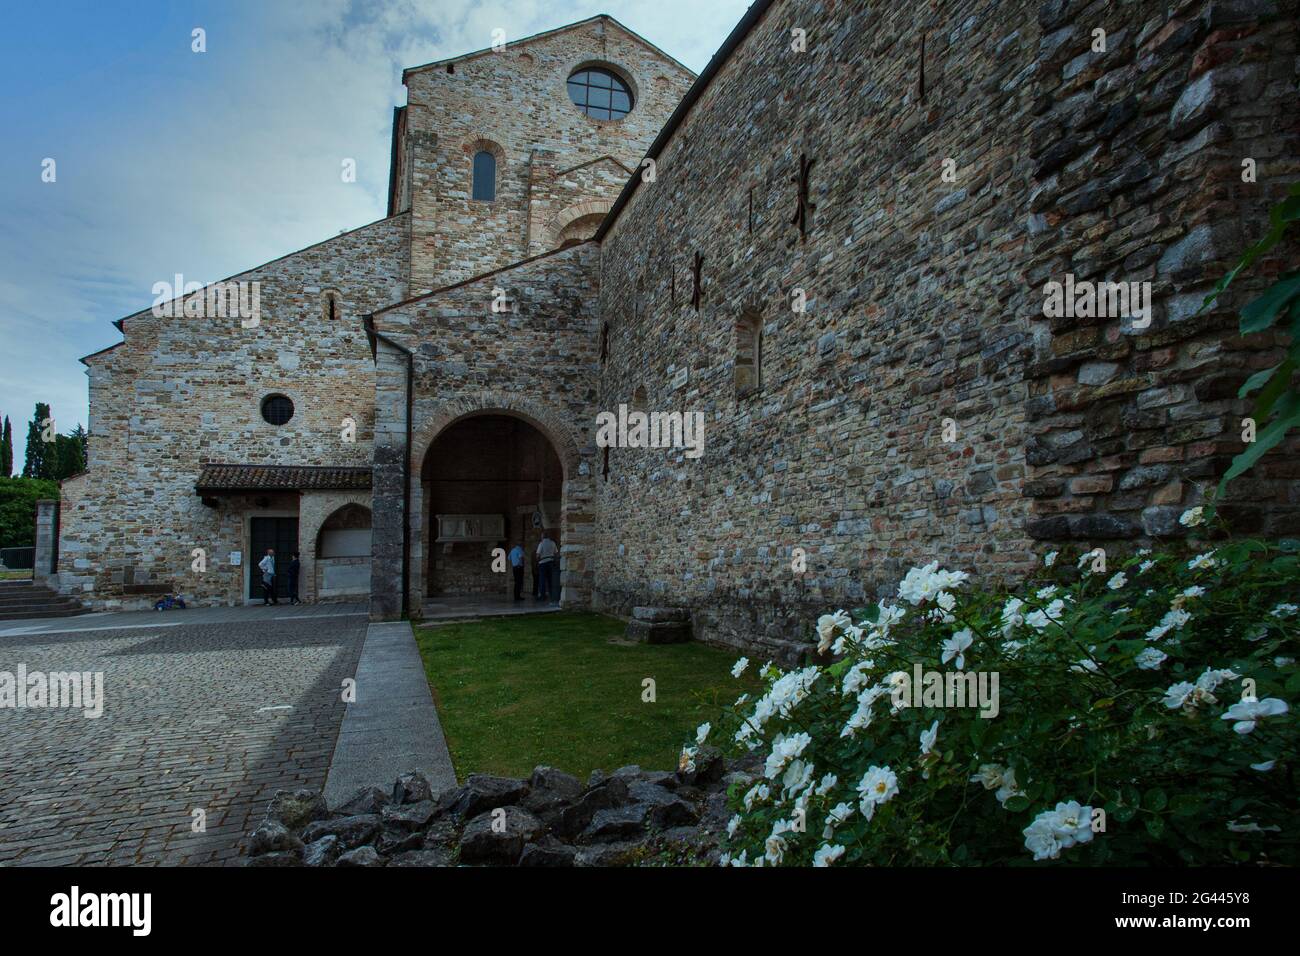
(492,427)
(487,482)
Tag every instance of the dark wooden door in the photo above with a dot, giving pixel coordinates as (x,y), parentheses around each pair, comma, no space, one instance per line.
(280,534)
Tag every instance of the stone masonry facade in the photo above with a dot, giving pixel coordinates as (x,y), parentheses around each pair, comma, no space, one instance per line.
(925,302)
(839,261)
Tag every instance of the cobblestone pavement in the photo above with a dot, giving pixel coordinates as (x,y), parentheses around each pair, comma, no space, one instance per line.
(211,715)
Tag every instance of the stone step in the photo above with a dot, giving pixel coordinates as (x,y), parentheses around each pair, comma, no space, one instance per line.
(665,632)
(661,615)
(36,601)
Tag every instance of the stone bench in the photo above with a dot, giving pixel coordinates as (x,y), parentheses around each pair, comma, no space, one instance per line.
(659,625)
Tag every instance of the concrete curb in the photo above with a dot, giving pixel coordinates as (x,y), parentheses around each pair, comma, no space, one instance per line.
(393,727)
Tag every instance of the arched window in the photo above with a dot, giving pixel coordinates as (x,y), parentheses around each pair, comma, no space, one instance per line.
(749,355)
(600,93)
(485,176)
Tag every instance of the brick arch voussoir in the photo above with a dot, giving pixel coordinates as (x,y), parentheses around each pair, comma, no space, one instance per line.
(544,418)
(560,221)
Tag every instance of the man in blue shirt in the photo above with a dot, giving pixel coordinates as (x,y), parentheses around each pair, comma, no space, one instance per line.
(516,557)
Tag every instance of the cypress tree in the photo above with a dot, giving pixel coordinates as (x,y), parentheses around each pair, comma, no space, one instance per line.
(6,450)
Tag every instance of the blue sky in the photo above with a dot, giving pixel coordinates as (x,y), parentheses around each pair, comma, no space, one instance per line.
(170,161)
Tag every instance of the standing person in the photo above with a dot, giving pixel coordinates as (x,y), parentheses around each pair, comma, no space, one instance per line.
(267,567)
(294,567)
(537,579)
(548,563)
(517,567)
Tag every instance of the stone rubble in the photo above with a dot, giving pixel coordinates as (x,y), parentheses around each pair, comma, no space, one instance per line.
(628,817)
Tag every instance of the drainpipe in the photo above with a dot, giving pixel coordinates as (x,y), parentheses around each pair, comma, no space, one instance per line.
(374,335)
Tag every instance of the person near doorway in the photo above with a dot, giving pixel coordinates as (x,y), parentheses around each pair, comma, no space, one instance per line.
(267,567)
(517,568)
(293,569)
(537,579)
(548,566)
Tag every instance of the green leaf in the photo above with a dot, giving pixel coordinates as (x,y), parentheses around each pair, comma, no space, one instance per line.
(1155,799)
(1016,804)
(1279,373)
(1288,415)
(1123,813)
(1155,826)
(1260,314)
(1184,804)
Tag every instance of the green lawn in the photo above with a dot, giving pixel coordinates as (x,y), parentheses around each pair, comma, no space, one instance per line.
(563,689)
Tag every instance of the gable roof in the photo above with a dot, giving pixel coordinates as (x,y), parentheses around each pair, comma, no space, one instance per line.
(548,33)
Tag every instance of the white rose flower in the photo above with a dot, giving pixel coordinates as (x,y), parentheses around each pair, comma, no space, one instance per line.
(878,785)
(1192,517)
(702,732)
(928,737)
(1050,558)
(1150,659)
(955,647)
(827,855)
(739,667)
(1117,582)
(1247,713)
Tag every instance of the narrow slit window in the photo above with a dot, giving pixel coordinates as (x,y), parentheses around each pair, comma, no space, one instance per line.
(749,355)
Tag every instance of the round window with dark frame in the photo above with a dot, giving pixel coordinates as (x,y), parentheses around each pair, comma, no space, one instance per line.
(277,409)
(600,93)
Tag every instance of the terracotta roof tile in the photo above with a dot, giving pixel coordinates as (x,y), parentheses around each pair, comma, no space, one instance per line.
(231,478)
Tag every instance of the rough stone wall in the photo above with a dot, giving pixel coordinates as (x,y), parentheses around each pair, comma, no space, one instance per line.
(514,103)
(925,296)
(537,364)
(1137,170)
(561,197)
(181,391)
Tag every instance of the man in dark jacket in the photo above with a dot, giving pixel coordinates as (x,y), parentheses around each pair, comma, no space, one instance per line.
(294,566)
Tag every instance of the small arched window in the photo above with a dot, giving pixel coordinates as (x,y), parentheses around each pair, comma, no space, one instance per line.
(485,176)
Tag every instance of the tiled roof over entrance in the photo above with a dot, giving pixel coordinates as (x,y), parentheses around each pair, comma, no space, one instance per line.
(243,477)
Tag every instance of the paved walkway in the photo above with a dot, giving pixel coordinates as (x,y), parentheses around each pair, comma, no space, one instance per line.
(208,709)
(393,726)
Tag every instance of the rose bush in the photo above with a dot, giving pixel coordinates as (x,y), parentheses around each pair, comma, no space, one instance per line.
(1141,719)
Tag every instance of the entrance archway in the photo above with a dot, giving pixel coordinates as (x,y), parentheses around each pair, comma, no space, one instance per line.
(576,492)
(487,481)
